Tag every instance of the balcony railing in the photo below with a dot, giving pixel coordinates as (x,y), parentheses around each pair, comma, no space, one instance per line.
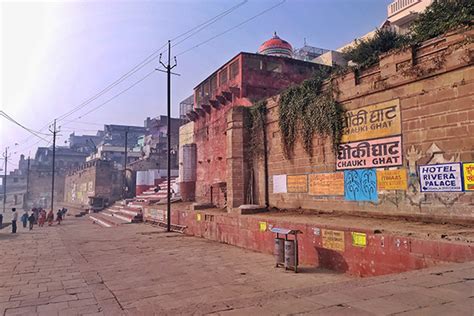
(399,5)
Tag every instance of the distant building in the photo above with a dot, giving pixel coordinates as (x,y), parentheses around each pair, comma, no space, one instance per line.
(402,13)
(308,53)
(115,154)
(17,182)
(85,143)
(115,134)
(185,106)
(93,179)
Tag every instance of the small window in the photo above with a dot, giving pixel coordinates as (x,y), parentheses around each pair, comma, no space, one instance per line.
(254,64)
(15,179)
(273,67)
(206,88)
(234,69)
(223,76)
(213,81)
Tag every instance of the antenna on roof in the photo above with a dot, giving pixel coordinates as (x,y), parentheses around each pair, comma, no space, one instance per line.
(304,41)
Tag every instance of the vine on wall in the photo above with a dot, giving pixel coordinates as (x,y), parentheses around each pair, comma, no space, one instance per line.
(255,123)
(306,110)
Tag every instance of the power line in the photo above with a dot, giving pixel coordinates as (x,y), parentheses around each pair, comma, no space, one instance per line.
(143,63)
(150,58)
(115,96)
(232,28)
(33,132)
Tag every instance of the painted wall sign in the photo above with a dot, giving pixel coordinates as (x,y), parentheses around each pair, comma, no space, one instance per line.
(392,179)
(279,183)
(359,239)
(326,183)
(262,226)
(375,153)
(360,185)
(468,169)
(440,177)
(373,121)
(297,184)
(333,239)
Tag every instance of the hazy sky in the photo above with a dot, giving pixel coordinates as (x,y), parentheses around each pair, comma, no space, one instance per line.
(57,54)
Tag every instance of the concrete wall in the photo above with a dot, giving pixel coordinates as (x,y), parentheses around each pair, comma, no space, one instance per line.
(434,88)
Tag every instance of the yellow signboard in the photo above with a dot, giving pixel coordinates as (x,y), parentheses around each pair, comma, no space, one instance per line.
(359,239)
(262,226)
(392,179)
(373,121)
(198,217)
(297,184)
(326,183)
(468,169)
(333,239)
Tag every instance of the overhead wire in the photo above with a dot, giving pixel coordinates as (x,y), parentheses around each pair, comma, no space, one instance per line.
(231,28)
(146,61)
(33,132)
(193,31)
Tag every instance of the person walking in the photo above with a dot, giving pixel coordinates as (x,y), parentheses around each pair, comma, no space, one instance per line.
(14,219)
(59,216)
(24,218)
(31,220)
(50,218)
(42,218)
(36,214)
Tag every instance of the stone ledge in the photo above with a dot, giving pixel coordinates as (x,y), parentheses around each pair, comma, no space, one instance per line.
(247,209)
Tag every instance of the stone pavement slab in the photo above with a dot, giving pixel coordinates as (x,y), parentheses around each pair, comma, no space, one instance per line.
(80,268)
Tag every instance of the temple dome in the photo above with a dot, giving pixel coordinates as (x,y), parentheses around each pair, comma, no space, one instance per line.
(276,47)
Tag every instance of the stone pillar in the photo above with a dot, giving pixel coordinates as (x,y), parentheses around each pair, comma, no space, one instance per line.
(235,159)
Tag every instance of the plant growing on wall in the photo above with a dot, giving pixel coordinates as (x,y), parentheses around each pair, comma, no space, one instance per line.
(441,17)
(366,53)
(306,110)
(255,123)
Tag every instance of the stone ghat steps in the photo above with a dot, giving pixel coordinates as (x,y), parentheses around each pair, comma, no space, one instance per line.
(150,194)
(105,221)
(124,213)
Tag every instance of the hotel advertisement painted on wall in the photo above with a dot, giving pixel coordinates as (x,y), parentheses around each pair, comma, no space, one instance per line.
(441,177)
(373,121)
(375,153)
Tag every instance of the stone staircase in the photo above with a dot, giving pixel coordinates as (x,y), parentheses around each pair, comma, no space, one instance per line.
(131,210)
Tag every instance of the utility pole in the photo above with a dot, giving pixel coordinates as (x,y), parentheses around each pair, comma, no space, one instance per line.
(54,131)
(124,181)
(5,156)
(26,198)
(168,68)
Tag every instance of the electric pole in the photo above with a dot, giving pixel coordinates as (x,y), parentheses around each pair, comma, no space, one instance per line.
(54,131)
(124,181)
(4,183)
(26,198)
(168,68)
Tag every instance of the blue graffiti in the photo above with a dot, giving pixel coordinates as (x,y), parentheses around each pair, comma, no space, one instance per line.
(360,185)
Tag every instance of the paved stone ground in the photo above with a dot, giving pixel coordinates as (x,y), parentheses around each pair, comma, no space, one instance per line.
(79,268)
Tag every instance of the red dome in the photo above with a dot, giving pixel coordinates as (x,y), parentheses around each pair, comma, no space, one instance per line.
(276,47)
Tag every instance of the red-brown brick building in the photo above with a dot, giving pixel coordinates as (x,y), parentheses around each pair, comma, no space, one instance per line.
(245,79)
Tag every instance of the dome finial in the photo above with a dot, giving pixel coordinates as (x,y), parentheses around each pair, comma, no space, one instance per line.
(276,47)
